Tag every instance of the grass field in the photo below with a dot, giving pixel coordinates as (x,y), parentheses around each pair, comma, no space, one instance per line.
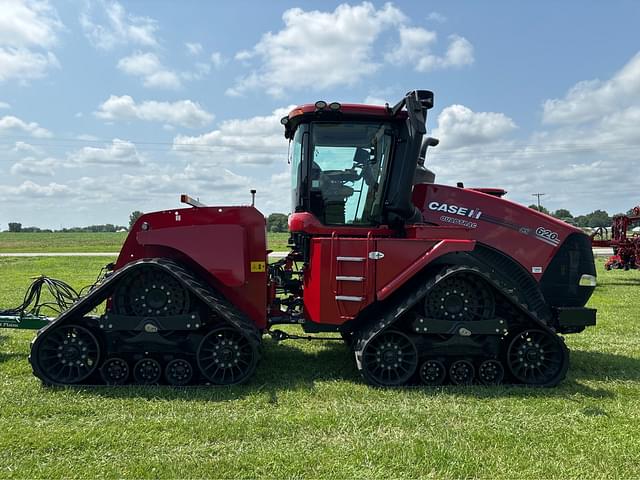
(307,413)
(88,242)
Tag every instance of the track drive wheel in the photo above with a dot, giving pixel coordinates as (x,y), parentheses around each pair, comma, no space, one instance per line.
(67,354)
(390,359)
(226,357)
(433,372)
(537,357)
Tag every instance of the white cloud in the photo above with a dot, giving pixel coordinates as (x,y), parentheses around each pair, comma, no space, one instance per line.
(22,147)
(118,27)
(459,126)
(592,99)
(415,49)
(4,106)
(25,23)
(317,49)
(28,30)
(185,113)
(119,153)
(32,189)
(150,69)
(10,124)
(194,49)
(254,141)
(30,166)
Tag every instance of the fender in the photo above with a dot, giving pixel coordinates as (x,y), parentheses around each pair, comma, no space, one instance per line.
(441,248)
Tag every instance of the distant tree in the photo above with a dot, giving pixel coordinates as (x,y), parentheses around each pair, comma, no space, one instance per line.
(15,227)
(135,215)
(562,213)
(597,218)
(542,209)
(277,222)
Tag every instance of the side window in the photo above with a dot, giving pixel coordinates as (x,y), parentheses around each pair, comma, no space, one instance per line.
(295,159)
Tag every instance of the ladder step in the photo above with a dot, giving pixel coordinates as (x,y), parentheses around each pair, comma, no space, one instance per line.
(350,259)
(348,298)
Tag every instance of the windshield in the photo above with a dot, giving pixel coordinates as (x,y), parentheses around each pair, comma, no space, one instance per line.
(347,171)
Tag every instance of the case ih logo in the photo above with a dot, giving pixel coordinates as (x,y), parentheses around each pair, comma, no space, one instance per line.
(455,209)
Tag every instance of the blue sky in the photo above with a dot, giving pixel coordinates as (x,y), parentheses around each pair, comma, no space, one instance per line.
(109,107)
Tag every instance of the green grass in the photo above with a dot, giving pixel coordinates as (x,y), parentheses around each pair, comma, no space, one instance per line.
(307,413)
(88,242)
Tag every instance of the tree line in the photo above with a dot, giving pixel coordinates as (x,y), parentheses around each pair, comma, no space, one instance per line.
(597,218)
(16,227)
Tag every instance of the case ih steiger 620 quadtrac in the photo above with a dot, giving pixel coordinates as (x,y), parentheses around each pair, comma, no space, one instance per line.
(426,283)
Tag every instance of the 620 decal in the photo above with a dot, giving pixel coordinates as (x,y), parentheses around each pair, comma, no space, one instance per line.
(548,235)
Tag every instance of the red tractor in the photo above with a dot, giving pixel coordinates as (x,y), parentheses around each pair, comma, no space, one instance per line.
(425,283)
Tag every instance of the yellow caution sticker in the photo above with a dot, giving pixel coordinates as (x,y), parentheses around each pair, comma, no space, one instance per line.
(258,267)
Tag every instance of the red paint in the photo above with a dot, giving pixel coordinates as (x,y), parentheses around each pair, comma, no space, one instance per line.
(504,225)
(403,271)
(218,243)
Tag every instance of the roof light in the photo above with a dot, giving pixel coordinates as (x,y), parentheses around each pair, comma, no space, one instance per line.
(321,104)
(335,106)
(284,120)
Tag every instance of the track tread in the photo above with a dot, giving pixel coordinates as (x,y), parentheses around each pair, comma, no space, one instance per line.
(216,302)
(403,303)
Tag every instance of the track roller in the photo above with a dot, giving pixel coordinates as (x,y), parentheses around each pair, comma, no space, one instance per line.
(115,371)
(461,372)
(147,371)
(490,372)
(178,372)
(433,372)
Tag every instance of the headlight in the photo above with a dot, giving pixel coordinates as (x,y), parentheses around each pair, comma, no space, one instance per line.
(587,281)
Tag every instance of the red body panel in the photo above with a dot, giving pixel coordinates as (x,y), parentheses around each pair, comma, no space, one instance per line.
(527,236)
(345,275)
(217,242)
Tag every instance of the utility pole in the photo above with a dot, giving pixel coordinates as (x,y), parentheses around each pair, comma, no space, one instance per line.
(538,195)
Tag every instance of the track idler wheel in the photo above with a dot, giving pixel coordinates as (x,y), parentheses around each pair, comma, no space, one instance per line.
(147,371)
(461,372)
(178,372)
(67,354)
(537,357)
(390,359)
(115,371)
(226,357)
(433,373)
(490,372)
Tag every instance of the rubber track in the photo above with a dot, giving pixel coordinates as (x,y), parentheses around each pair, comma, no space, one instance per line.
(403,303)
(214,300)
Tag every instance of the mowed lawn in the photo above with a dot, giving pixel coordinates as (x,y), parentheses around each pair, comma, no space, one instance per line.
(307,413)
(88,242)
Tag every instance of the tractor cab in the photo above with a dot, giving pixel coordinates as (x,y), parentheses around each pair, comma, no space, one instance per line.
(354,165)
